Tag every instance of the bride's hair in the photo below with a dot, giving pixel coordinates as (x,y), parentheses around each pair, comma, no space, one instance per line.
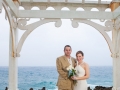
(79,52)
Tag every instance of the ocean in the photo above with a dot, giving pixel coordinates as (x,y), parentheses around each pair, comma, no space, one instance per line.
(38,77)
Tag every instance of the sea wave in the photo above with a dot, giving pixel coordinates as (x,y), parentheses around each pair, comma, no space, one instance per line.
(92,86)
(38,77)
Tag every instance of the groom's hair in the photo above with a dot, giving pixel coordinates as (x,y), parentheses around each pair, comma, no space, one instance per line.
(67,46)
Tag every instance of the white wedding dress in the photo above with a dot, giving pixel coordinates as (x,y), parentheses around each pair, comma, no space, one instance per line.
(81,84)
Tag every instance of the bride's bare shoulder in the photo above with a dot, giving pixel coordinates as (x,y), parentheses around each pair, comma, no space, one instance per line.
(86,64)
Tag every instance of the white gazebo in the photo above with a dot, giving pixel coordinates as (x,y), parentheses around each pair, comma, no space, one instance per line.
(18,20)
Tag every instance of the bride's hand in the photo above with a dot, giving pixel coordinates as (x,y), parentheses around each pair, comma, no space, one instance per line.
(74,78)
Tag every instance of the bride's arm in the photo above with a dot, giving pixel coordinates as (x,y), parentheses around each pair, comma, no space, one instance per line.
(87,73)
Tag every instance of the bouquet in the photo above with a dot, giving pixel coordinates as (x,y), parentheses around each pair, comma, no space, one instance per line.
(71,72)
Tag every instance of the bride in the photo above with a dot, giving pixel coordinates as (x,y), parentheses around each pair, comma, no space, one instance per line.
(82,71)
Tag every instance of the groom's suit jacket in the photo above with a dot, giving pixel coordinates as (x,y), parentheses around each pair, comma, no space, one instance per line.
(63,81)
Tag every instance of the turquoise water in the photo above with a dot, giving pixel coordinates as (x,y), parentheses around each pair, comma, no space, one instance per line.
(38,77)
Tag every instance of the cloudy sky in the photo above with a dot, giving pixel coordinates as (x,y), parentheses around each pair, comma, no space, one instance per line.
(46,43)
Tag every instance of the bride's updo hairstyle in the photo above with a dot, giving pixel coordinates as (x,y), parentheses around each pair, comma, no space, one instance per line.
(80,52)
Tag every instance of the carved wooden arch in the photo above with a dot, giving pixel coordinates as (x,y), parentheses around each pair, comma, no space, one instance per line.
(100,28)
(29,28)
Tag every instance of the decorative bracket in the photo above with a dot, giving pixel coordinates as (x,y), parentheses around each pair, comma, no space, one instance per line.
(22,24)
(108,24)
(108,27)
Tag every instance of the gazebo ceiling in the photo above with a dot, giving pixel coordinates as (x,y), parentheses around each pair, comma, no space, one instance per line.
(82,3)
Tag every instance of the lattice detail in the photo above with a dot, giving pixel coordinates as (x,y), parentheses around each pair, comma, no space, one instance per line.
(109,25)
(57,7)
(22,23)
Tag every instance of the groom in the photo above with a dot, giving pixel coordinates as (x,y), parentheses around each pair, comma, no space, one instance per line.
(64,83)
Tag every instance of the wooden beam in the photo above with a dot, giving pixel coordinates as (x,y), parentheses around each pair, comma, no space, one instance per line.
(64,14)
(68,4)
(68,1)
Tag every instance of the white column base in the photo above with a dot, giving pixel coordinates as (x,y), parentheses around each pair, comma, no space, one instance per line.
(13,74)
(116,88)
(116,73)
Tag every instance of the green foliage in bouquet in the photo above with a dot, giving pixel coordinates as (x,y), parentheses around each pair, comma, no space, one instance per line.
(71,73)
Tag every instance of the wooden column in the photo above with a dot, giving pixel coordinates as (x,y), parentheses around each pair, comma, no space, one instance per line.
(116,46)
(13,67)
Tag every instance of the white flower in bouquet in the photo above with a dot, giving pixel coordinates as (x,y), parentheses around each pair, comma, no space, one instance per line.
(70,67)
(71,72)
